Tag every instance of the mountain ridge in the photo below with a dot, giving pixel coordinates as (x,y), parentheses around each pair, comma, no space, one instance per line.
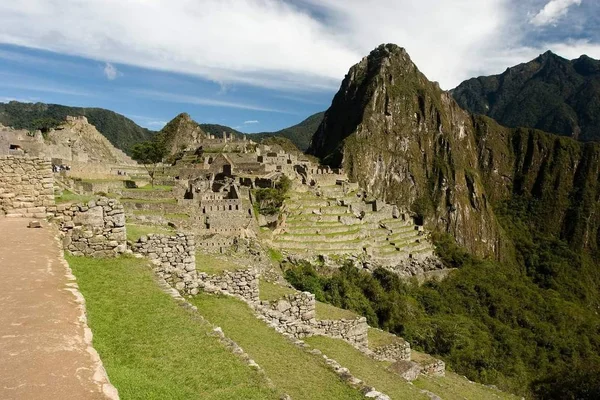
(121,131)
(549,93)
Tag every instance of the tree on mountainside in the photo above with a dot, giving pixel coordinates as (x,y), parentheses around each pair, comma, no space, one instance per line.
(149,154)
(45,124)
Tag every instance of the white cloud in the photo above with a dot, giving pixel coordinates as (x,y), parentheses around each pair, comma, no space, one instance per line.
(204,101)
(273,43)
(110,71)
(553,11)
(251,122)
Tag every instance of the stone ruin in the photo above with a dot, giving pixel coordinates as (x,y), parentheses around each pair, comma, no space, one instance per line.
(26,187)
(95,229)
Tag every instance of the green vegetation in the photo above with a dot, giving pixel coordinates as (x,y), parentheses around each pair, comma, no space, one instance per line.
(301,375)
(160,188)
(268,201)
(149,154)
(119,130)
(300,134)
(213,265)
(70,197)
(375,373)
(151,347)
(378,338)
(490,322)
(149,201)
(563,99)
(275,255)
(372,372)
(134,232)
(327,311)
(161,213)
(272,291)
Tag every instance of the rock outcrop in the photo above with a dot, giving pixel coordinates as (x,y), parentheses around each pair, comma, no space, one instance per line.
(407,141)
(182,132)
(75,140)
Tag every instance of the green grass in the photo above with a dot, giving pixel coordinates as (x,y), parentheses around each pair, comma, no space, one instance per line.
(456,387)
(271,291)
(327,311)
(134,232)
(70,197)
(160,213)
(373,373)
(378,338)
(151,347)
(301,375)
(213,265)
(275,255)
(157,188)
(149,201)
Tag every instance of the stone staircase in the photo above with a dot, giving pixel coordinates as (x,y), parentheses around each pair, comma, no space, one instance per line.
(327,221)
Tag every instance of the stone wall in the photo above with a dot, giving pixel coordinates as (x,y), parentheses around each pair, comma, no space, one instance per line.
(399,350)
(94,229)
(243,283)
(173,258)
(295,314)
(26,187)
(351,330)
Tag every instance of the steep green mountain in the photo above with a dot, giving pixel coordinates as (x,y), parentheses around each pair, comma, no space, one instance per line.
(524,318)
(118,129)
(299,134)
(180,133)
(549,93)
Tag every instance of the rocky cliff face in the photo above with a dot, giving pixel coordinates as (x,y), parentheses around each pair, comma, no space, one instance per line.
(182,132)
(404,139)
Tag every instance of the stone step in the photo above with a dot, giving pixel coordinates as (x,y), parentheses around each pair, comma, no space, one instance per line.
(319,247)
(323,230)
(314,218)
(335,238)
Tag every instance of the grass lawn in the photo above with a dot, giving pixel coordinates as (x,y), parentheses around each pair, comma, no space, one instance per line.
(162,214)
(134,232)
(272,291)
(456,387)
(378,338)
(327,311)
(158,188)
(70,197)
(214,265)
(149,201)
(372,372)
(301,375)
(151,347)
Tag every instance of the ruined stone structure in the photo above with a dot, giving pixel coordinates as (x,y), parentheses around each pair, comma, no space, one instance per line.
(95,229)
(26,187)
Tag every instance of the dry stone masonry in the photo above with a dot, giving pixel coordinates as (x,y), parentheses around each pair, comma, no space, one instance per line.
(173,258)
(95,229)
(243,283)
(26,187)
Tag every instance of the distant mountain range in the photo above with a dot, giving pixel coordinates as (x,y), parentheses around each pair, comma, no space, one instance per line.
(548,93)
(299,134)
(118,129)
(123,133)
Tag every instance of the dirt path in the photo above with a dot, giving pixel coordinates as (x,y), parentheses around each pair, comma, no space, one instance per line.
(45,345)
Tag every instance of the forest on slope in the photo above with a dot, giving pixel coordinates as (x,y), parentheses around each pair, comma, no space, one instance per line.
(521,311)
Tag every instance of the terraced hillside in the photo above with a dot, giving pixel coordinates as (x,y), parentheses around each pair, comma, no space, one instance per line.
(328,221)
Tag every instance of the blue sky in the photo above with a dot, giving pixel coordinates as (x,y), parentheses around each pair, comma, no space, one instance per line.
(261,65)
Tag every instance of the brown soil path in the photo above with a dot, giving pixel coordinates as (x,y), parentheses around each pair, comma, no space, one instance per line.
(45,344)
